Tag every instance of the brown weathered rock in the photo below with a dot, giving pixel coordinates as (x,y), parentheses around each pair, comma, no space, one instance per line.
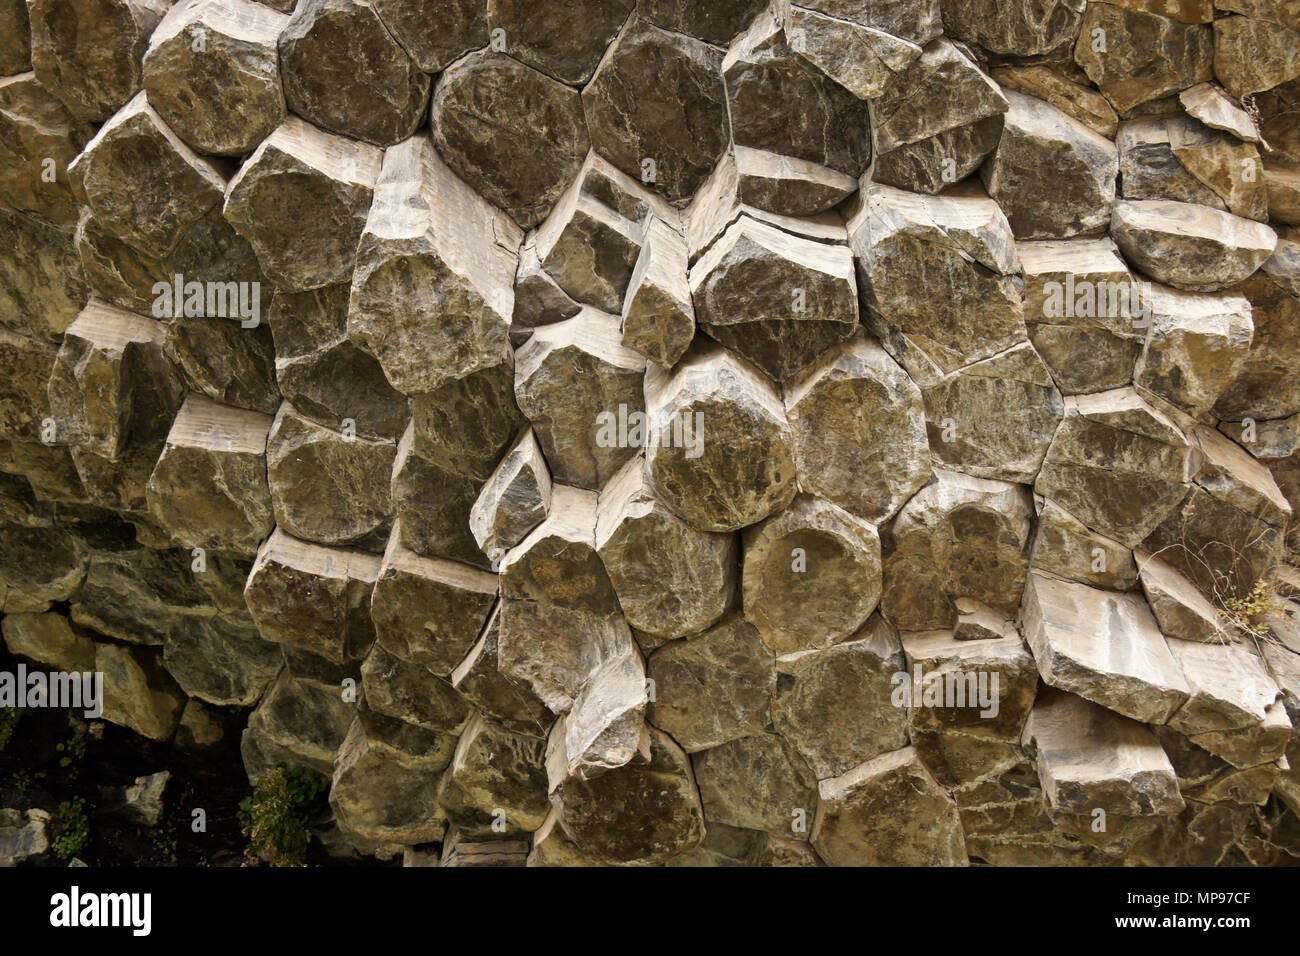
(1103,646)
(715,23)
(514,500)
(16,47)
(777,299)
(605,728)
(1026,28)
(138,693)
(300,722)
(1075,197)
(429,611)
(958,537)
(719,449)
(345,72)
(1090,758)
(1231,690)
(141,182)
(441,418)
(580,387)
(669,131)
(983,687)
(39,565)
(94,71)
(313,597)
(49,639)
(496,782)
(406,692)
(139,596)
(435,42)
(811,575)
(859,58)
(38,138)
(213,74)
(1116,463)
(432,292)
(433,507)
(1082,312)
(1072,98)
(300,167)
(557,562)
(515,135)
(786,185)
(308,465)
(539,300)
(227,363)
(1149,169)
(858,426)
(209,488)
(41,287)
(24,403)
(995,418)
(1140,56)
(658,802)
(938,271)
(1210,105)
(1282,186)
(111,385)
(509,702)
(888,811)
(1252,55)
(713,687)
(658,315)
(671,580)
(756,782)
(1064,547)
(835,705)
(220,660)
(1264,387)
(553,37)
(1195,346)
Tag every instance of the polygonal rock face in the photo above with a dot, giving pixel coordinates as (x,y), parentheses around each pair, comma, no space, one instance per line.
(433,507)
(658,312)
(859,430)
(553,36)
(509,702)
(1139,56)
(1194,348)
(758,783)
(406,692)
(788,186)
(713,687)
(429,611)
(859,58)
(670,579)
(1252,54)
(212,72)
(1022,28)
(836,705)
(581,388)
(495,774)
(958,537)
(1188,246)
(16,47)
(995,418)
(313,597)
(41,288)
(715,23)
(35,126)
(485,397)
(888,811)
(669,131)
(1066,548)
(435,38)
(344,71)
(985,687)
(307,463)
(1076,200)
(94,71)
(514,501)
(142,182)
(514,134)
(777,299)
(719,450)
(138,693)
(1116,463)
(811,575)
(431,295)
(938,271)
(220,661)
(1103,646)
(1082,312)
(657,797)
(111,385)
(300,167)
(1264,388)
(763,67)
(1181,610)
(209,488)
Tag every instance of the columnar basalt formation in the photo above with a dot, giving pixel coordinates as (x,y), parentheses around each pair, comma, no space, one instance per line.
(646,432)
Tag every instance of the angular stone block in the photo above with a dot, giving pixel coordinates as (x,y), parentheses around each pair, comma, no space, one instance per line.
(38,136)
(1141,55)
(552,36)
(410,694)
(434,507)
(757,782)
(209,487)
(138,693)
(496,779)
(295,168)
(514,134)
(300,722)
(432,292)
(859,58)
(212,72)
(1064,547)
(41,287)
(719,450)
(980,687)
(486,398)
(345,72)
(514,501)
(1018,29)
(220,660)
(509,702)
(435,42)
(788,186)
(1264,387)
(1189,246)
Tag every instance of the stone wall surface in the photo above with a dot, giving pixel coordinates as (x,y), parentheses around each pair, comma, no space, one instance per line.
(644,432)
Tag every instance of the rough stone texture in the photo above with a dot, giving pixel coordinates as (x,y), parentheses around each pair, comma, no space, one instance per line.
(1140,56)
(1188,246)
(1264,389)
(36,126)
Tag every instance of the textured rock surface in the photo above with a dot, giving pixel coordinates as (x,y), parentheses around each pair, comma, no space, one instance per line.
(819,432)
